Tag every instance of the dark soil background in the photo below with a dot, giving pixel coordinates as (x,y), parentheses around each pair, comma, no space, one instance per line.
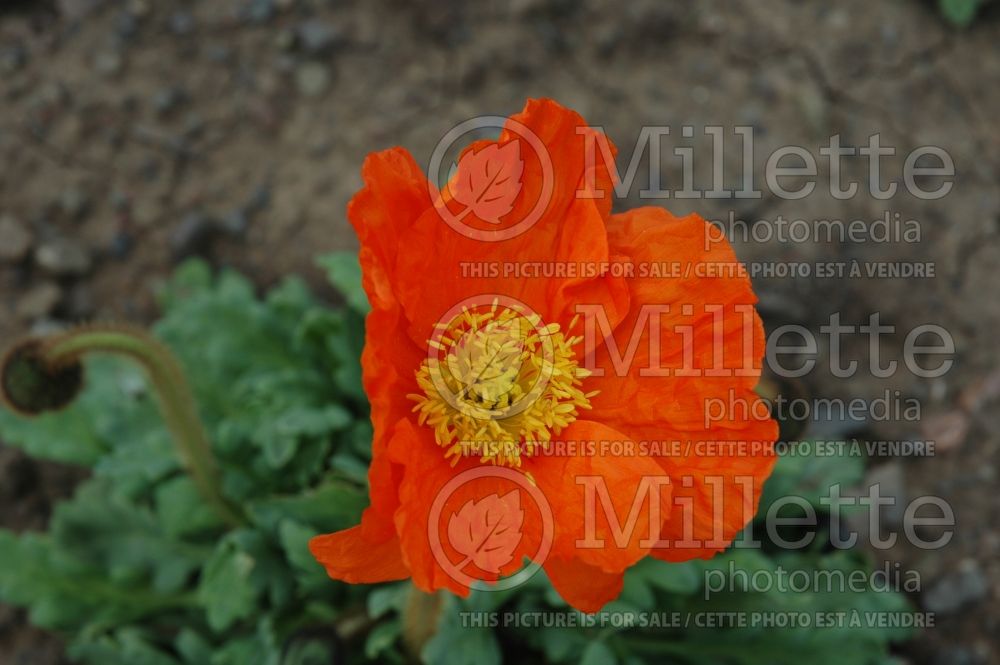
(136,133)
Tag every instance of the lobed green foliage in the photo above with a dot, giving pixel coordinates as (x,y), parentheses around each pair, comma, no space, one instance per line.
(136,570)
(959,13)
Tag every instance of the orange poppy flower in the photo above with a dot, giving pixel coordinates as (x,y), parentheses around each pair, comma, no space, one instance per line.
(548,381)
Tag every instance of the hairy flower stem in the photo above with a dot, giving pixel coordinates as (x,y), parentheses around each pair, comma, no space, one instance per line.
(177,405)
(420,619)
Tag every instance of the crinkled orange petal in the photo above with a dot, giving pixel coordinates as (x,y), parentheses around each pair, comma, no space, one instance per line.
(350,557)
(427,473)
(585,587)
(558,476)
(675,409)
(388,364)
(436,268)
(653,237)
(394,195)
(724,491)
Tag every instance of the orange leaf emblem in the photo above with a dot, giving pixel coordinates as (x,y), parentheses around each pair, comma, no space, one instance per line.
(489,181)
(487,531)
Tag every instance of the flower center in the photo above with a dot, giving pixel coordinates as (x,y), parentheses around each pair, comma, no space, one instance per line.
(499,385)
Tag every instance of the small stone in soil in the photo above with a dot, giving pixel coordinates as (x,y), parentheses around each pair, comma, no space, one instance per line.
(74,203)
(39,301)
(108,63)
(193,125)
(285,39)
(166,100)
(317,37)
(218,53)
(46,326)
(145,213)
(63,257)
(258,11)
(182,23)
(955,655)
(12,58)
(234,222)
(126,25)
(119,200)
(891,481)
(15,240)
(192,236)
(312,79)
(947,430)
(139,8)
(75,10)
(80,302)
(980,392)
(259,200)
(121,245)
(965,585)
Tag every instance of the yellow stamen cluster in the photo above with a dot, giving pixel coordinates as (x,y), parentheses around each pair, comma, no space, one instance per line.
(500,386)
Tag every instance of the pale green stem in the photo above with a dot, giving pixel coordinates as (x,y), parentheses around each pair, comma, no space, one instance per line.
(420,618)
(177,404)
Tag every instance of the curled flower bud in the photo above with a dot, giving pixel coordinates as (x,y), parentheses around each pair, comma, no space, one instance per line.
(31,385)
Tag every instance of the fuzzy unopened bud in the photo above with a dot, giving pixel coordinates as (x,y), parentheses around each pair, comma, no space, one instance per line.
(31,386)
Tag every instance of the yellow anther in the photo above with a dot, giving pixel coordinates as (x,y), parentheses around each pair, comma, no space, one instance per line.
(501,385)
